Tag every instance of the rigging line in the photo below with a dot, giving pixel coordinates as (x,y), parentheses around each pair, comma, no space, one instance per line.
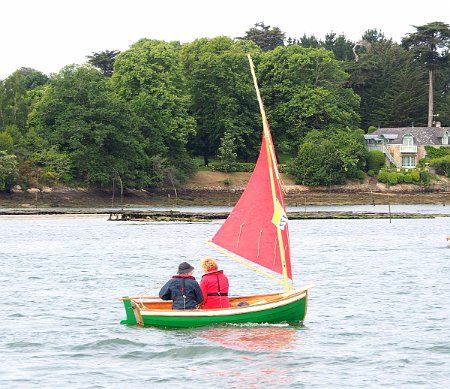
(229,254)
(259,242)
(200,247)
(239,236)
(274,252)
(195,254)
(282,186)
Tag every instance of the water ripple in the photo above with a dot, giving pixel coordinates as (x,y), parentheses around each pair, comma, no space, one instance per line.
(377,318)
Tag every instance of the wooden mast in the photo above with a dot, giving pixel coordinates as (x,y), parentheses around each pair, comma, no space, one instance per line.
(271,164)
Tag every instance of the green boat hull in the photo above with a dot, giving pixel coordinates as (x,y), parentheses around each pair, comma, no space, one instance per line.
(291,309)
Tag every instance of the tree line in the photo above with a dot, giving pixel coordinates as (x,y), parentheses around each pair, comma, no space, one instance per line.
(146,115)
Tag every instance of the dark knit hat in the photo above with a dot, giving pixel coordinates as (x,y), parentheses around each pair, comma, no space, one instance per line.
(184,268)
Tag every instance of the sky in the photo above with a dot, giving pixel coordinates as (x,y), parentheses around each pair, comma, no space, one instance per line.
(46,35)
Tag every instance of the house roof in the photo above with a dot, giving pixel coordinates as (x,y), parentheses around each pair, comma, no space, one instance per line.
(422,135)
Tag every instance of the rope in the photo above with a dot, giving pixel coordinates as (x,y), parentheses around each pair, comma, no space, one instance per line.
(259,241)
(239,236)
(274,251)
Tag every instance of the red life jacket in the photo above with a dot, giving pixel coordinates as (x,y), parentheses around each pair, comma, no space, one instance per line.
(214,286)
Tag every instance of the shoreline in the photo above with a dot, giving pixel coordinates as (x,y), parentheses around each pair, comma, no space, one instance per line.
(65,199)
(126,215)
(206,188)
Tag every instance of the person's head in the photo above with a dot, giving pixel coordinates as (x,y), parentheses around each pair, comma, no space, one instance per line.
(185,268)
(208,264)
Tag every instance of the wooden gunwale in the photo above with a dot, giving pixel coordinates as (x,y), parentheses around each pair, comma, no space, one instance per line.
(160,307)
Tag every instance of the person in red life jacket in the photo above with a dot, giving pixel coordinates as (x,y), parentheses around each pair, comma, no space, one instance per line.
(182,289)
(214,285)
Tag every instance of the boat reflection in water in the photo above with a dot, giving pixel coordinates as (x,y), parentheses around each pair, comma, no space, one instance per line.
(253,338)
(261,347)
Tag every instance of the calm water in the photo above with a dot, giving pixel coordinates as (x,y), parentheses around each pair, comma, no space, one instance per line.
(379,315)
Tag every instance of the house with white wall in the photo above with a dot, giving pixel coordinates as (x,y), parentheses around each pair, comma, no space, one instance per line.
(405,146)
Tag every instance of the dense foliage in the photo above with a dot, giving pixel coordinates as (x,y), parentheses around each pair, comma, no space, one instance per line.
(430,45)
(82,116)
(304,90)
(330,158)
(223,96)
(375,161)
(143,116)
(8,170)
(149,77)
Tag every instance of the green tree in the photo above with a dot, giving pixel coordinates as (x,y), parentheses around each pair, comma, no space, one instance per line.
(305,41)
(341,47)
(317,164)
(83,117)
(375,161)
(6,141)
(265,37)
(150,77)
(29,143)
(226,153)
(352,151)
(442,95)
(16,96)
(53,165)
(223,95)
(390,84)
(431,45)
(104,60)
(326,159)
(305,89)
(373,35)
(8,171)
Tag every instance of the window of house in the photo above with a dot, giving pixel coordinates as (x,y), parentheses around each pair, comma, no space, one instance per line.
(408,161)
(408,140)
(445,138)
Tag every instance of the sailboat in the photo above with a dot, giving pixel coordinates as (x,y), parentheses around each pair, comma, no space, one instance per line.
(256,234)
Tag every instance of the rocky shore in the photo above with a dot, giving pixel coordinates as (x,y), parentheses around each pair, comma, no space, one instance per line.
(213,188)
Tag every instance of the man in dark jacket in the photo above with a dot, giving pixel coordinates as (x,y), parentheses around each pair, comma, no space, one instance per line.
(182,289)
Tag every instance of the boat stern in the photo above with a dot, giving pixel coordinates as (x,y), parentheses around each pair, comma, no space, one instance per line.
(131,317)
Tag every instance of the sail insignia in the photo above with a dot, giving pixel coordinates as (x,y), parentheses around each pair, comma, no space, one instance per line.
(279,218)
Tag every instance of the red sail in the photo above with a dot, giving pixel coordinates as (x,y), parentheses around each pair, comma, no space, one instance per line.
(257,225)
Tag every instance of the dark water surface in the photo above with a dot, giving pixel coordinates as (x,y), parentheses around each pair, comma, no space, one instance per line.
(379,315)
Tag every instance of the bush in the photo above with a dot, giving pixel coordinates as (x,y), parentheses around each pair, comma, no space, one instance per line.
(8,170)
(283,168)
(392,178)
(415,175)
(398,177)
(407,179)
(383,176)
(437,152)
(425,177)
(441,165)
(318,164)
(375,160)
(6,142)
(360,175)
